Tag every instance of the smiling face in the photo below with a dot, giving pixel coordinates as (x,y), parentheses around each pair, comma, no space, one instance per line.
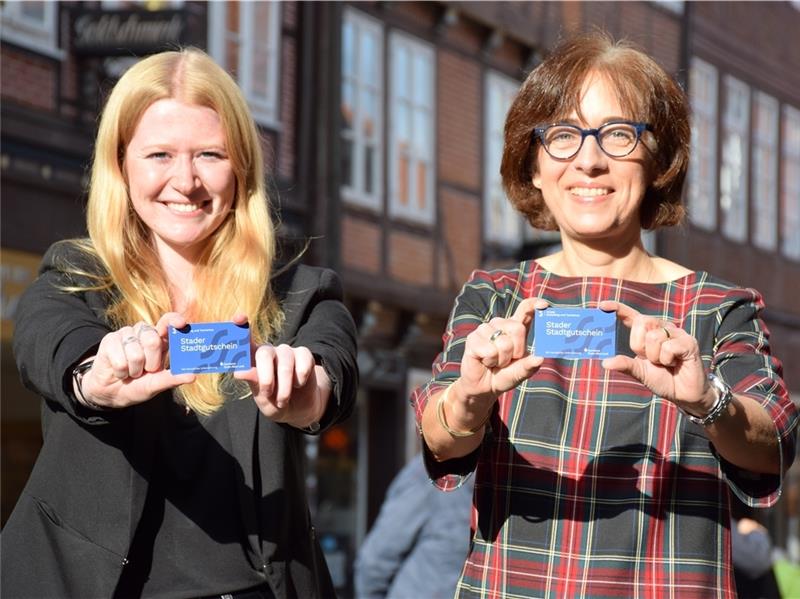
(592,196)
(180,179)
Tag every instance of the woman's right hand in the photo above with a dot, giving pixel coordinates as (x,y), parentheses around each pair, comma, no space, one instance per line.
(496,356)
(495,359)
(129,365)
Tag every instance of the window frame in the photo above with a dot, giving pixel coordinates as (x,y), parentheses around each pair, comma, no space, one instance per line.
(790,183)
(40,37)
(357,193)
(265,112)
(735,124)
(764,167)
(427,214)
(502,224)
(703,191)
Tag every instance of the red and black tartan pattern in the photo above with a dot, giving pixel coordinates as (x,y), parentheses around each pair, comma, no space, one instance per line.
(588,485)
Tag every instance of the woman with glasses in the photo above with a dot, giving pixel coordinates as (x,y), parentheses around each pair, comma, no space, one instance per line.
(604,477)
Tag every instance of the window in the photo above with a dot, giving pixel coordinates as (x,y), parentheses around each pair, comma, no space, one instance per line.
(411,145)
(764,189)
(362,102)
(33,25)
(790,183)
(502,223)
(244,37)
(733,172)
(675,6)
(702,196)
(141,4)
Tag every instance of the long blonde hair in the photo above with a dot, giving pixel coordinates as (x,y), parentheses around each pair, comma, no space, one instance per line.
(235,268)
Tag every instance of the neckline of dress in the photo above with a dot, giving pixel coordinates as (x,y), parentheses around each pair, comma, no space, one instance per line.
(678,280)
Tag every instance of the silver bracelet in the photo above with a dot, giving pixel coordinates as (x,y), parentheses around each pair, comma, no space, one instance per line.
(77,375)
(724,397)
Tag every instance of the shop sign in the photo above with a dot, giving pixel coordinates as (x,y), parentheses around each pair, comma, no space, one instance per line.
(126,32)
(17,271)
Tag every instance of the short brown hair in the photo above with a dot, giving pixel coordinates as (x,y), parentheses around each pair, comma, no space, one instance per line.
(552,92)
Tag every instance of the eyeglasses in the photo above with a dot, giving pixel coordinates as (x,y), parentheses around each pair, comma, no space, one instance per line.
(617,138)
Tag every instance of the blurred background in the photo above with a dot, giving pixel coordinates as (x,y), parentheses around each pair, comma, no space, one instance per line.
(382,124)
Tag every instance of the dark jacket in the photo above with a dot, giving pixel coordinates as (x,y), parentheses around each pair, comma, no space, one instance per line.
(72,527)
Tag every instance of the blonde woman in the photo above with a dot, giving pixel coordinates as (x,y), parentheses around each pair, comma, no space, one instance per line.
(159,485)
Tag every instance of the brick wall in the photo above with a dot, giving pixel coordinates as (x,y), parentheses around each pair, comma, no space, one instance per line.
(411,258)
(460,252)
(27,79)
(361,245)
(459,120)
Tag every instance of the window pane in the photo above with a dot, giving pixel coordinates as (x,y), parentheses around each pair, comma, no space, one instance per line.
(502,224)
(33,11)
(369,114)
(790,183)
(348,106)
(765,170)
(733,173)
(702,194)
(411,112)
(402,123)
(421,80)
(369,59)
(347,162)
(232,54)
(348,49)
(421,132)
(260,72)
(401,74)
(422,185)
(362,97)
(403,173)
(369,170)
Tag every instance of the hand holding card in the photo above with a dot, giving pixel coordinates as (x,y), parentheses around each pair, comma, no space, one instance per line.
(574,333)
(208,347)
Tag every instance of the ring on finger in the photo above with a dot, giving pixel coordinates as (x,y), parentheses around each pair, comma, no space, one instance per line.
(666,331)
(143,328)
(493,337)
(130,339)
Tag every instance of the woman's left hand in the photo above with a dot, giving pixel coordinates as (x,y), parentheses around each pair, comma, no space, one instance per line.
(287,384)
(667,360)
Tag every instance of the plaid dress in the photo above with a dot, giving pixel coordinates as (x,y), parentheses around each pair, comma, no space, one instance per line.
(588,485)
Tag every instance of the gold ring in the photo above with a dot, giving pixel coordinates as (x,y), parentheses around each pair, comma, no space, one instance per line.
(493,337)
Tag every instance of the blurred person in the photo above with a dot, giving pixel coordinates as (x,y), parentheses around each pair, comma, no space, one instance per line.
(604,478)
(419,542)
(751,555)
(151,484)
(786,564)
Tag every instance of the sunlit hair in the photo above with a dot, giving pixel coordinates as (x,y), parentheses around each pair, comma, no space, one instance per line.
(552,92)
(233,273)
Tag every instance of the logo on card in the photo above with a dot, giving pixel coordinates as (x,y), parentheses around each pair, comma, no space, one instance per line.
(208,347)
(575,333)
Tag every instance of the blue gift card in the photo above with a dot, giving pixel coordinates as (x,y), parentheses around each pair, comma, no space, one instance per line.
(574,333)
(206,347)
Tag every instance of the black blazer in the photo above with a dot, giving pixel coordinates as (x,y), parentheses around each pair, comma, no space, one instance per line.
(72,528)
